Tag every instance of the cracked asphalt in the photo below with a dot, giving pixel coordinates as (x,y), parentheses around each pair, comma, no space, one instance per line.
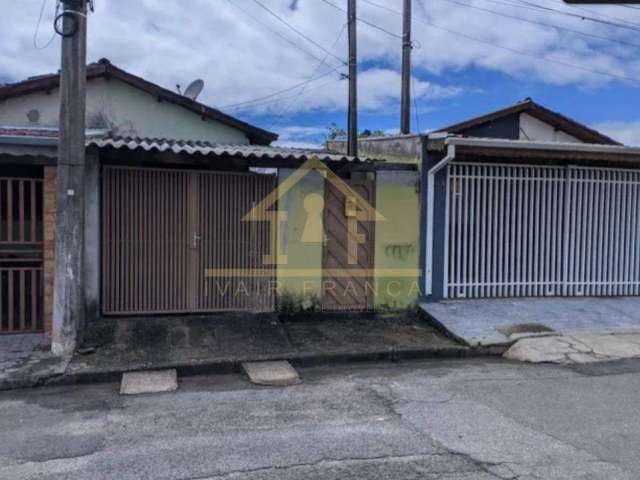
(454,420)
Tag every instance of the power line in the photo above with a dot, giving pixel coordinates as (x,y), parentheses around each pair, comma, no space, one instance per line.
(509,49)
(275,94)
(415,104)
(291,27)
(594,12)
(276,32)
(277,100)
(533,7)
(549,25)
(315,70)
(362,20)
(536,6)
(39,22)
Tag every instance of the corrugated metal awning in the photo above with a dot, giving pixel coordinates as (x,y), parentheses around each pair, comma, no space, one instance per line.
(206,148)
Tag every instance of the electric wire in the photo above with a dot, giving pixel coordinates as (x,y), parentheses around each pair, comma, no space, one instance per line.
(415,104)
(315,71)
(281,99)
(594,12)
(538,7)
(301,34)
(279,34)
(39,22)
(509,49)
(275,94)
(364,21)
(544,24)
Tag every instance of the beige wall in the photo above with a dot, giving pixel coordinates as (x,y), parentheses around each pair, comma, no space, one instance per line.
(125,109)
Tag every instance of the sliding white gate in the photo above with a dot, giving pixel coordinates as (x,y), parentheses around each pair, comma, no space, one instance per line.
(528,231)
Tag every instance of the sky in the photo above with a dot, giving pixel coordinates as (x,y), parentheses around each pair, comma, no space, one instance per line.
(281,64)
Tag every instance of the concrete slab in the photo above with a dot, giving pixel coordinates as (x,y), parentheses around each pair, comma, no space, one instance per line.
(490,322)
(576,349)
(279,374)
(26,361)
(219,342)
(153,381)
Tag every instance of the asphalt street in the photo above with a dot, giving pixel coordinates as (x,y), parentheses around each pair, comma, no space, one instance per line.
(465,419)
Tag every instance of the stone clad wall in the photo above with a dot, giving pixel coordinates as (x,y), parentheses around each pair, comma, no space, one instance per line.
(49,247)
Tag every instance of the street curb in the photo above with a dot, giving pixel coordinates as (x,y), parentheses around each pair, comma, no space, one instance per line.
(298,360)
(234,366)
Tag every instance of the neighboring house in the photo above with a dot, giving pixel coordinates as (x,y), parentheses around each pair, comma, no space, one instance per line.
(528,121)
(200,215)
(523,202)
(126,105)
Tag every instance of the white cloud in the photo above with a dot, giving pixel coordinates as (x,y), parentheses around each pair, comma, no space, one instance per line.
(626,132)
(240,59)
(301,137)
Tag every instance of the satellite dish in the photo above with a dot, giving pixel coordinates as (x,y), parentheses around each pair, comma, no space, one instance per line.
(194,89)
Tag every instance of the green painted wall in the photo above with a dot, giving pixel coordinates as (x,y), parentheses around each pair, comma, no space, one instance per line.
(397,239)
(300,255)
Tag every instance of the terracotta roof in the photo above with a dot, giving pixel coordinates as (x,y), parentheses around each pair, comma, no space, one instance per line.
(536,110)
(104,69)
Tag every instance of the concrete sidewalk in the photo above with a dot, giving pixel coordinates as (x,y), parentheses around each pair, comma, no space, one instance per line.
(579,349)
(26,360)
(221,343)
(503,321)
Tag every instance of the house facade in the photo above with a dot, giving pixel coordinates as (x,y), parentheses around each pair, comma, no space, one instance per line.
(176,220)
(524,202)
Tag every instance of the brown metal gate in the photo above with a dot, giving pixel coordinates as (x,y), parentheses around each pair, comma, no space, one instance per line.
(164,230)
(347,278)
(21,235)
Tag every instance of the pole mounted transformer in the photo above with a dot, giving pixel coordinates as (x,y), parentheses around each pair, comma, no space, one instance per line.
(352,131)
(405,97)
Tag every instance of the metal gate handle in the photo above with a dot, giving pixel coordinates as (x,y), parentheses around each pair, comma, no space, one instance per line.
(195,239)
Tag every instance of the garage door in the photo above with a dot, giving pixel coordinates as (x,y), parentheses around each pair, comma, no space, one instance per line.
(517,231)
(165,230)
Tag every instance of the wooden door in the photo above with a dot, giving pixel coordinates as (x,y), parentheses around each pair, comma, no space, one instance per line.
(349,247)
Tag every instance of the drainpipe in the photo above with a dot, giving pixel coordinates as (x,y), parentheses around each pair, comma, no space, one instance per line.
(431,180)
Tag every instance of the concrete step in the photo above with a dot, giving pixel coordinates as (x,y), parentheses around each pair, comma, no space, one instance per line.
(152,381)
(279,374)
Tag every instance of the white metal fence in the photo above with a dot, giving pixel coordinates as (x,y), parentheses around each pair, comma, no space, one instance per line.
(518,231)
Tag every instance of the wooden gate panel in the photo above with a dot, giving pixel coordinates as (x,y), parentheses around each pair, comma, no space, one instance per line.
(353,282)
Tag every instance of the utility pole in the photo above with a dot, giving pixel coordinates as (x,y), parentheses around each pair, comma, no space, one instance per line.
(68,303)
(352,131)
(405,109)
